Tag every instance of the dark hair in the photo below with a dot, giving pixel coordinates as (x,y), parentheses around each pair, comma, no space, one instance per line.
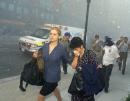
(96,36)
(126,39)
(76,42)
(67,34)
(108,41)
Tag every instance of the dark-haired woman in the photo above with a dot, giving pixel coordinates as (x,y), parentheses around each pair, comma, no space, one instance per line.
(110,54)
(81,56)
(35,64)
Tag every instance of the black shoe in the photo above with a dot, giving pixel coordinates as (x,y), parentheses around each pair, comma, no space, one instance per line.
(106,90)
(123,73)
(22,89)
(119,68)
(65,73)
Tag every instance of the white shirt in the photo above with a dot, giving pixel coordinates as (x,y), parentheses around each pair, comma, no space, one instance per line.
(110,53)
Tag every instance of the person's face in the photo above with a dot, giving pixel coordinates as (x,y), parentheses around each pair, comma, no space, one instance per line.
(54,36)
(35,54)
(96,38)
(78,49)
(66,38)
(121,38)
(126,40)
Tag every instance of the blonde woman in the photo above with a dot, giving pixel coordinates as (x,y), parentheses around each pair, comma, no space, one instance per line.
(53,54)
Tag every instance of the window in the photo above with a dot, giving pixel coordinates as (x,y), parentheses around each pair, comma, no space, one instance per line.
(14,1)
(25,11)
(11,7)
(51,17)
(47,17)
(42,16)
(19,10)
(41,33)
(3,5)
(36,12)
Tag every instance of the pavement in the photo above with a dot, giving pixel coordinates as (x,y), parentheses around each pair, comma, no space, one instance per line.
(119,88)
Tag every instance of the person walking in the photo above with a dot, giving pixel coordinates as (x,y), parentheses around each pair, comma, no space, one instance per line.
(82,57)
(110,54)
(123,51)
(66,41)
(97,46)
(33,71)
(53,53)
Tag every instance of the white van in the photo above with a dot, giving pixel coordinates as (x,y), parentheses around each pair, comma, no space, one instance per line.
(31,42)
(74,31)
(41,36)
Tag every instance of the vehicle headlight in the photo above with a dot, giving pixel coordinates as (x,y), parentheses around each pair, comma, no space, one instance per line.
(43,43)
(33,45)
(39,43)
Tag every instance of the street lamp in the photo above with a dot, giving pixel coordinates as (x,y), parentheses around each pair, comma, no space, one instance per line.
(86,24)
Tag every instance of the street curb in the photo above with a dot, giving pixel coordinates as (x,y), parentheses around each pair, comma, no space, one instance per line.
(9,79)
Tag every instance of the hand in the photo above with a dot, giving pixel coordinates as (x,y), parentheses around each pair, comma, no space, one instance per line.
(99,66)
(123,41)
(76,53)
(97,41)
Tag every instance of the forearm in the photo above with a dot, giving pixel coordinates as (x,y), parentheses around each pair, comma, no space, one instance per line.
(120,44)
(74,62)
(93,45)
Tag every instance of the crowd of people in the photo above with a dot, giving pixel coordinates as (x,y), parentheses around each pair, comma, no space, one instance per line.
(107,51)
(101,57)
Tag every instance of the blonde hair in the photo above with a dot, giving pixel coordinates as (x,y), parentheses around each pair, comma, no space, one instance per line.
(57,29)
(39,60)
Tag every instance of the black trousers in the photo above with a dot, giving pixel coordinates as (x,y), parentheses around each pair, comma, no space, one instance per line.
(122,61)
(107,73)
(64,64)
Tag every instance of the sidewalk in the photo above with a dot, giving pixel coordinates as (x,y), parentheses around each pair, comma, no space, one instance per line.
(119,88)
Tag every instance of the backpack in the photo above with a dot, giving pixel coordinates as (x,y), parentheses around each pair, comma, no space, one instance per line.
(76,85)
(93,77)
(31,75)
(93,81)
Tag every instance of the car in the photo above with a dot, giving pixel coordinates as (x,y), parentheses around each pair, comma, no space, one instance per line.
(30,43)
(33,42)
(74,31)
